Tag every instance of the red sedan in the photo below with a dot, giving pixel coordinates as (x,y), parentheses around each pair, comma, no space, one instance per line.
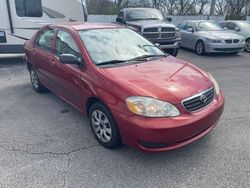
(132,92)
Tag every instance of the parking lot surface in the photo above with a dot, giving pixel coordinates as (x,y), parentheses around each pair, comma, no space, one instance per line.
(44,142)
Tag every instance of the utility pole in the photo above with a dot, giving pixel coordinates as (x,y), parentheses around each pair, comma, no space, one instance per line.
(212,8)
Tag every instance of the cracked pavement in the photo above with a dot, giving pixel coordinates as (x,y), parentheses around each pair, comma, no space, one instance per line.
(44,142)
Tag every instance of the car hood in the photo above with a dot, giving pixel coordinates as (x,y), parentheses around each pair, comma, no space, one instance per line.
(150,23)
(167,79)
(218,34)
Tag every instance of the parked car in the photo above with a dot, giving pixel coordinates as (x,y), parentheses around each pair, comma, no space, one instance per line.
(239,27)
(130,89)
(151,24)
(205,36)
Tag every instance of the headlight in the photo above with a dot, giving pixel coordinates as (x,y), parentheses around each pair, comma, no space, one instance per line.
(150,107)
(178,33)
(243,40)
(214,40)
(215,83)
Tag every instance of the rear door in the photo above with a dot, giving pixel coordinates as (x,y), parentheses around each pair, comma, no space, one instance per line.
(67,77)
(43,56)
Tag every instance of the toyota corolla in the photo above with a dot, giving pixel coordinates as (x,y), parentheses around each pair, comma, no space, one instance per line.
(132,92)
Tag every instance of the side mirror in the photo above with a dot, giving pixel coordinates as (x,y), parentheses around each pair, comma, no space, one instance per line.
(169,19)
(70,59)
(237,29)
(190,29)
(119,19)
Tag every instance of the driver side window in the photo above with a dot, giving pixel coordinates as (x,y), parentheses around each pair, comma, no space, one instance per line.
(65,44)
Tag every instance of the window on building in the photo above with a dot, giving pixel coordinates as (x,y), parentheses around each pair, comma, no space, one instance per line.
(29,8)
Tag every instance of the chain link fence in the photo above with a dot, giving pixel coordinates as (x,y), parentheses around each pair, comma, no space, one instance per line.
(176,19)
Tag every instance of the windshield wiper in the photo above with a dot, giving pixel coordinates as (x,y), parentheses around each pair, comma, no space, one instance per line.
(112,62)
(143,57)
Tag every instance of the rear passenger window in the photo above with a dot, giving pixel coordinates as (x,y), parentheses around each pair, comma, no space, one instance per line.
(231,26)
(223,24)
(188,25)
(44,40)
(65,44)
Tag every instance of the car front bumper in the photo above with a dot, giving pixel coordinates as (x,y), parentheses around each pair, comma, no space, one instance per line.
(224,48)
(163,134)
(168,44)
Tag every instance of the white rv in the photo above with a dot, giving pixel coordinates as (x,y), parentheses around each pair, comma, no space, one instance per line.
(20,19)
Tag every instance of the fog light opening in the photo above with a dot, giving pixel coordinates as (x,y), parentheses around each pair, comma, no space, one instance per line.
(152,145)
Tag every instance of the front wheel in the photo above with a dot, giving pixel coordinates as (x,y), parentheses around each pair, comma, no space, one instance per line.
(247,48)
(104,126)
(200,48)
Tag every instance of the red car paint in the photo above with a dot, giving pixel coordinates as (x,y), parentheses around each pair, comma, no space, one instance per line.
(168,79)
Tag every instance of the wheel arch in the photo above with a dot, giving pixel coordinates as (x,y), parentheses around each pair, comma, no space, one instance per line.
(200,40)
(92,100)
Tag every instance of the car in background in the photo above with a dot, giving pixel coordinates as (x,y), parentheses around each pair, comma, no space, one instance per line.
(206,36)
(239,27)
(151,24)
(130,89)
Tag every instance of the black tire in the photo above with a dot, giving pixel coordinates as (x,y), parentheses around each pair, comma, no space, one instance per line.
(35,82)
(247,48)
(99,113)
(200,48)
(173,52)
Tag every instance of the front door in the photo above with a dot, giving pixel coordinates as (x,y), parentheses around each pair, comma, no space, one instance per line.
(67,77)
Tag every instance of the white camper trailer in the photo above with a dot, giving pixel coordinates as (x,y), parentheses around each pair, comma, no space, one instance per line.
(20,19)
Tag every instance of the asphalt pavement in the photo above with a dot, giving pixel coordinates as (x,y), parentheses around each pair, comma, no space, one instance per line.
(44,142)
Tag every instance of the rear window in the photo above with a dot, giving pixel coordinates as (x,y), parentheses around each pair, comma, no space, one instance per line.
(29,8)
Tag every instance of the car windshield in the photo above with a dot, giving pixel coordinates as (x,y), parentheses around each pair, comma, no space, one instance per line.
(117,45)
(144,14)
(244,25)
(207,26)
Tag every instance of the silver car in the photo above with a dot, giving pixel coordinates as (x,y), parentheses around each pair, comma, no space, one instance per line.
(239,27)
(206,36)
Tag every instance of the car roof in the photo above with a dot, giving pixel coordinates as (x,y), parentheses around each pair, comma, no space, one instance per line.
(86,26)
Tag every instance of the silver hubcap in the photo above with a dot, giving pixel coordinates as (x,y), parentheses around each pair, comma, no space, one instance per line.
(34,79)
(248,45)
(199,48)
(101,126)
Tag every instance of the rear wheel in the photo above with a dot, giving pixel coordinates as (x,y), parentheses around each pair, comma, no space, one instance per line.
(247,48)
(36,84)
(104,126)
(200,48)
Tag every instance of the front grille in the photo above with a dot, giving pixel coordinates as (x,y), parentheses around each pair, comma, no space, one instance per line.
(167,35)
(155,29)
(229,41)
(151,35)
(199,101)
(227,49)
(236,40)
(159,33)
(167,29)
